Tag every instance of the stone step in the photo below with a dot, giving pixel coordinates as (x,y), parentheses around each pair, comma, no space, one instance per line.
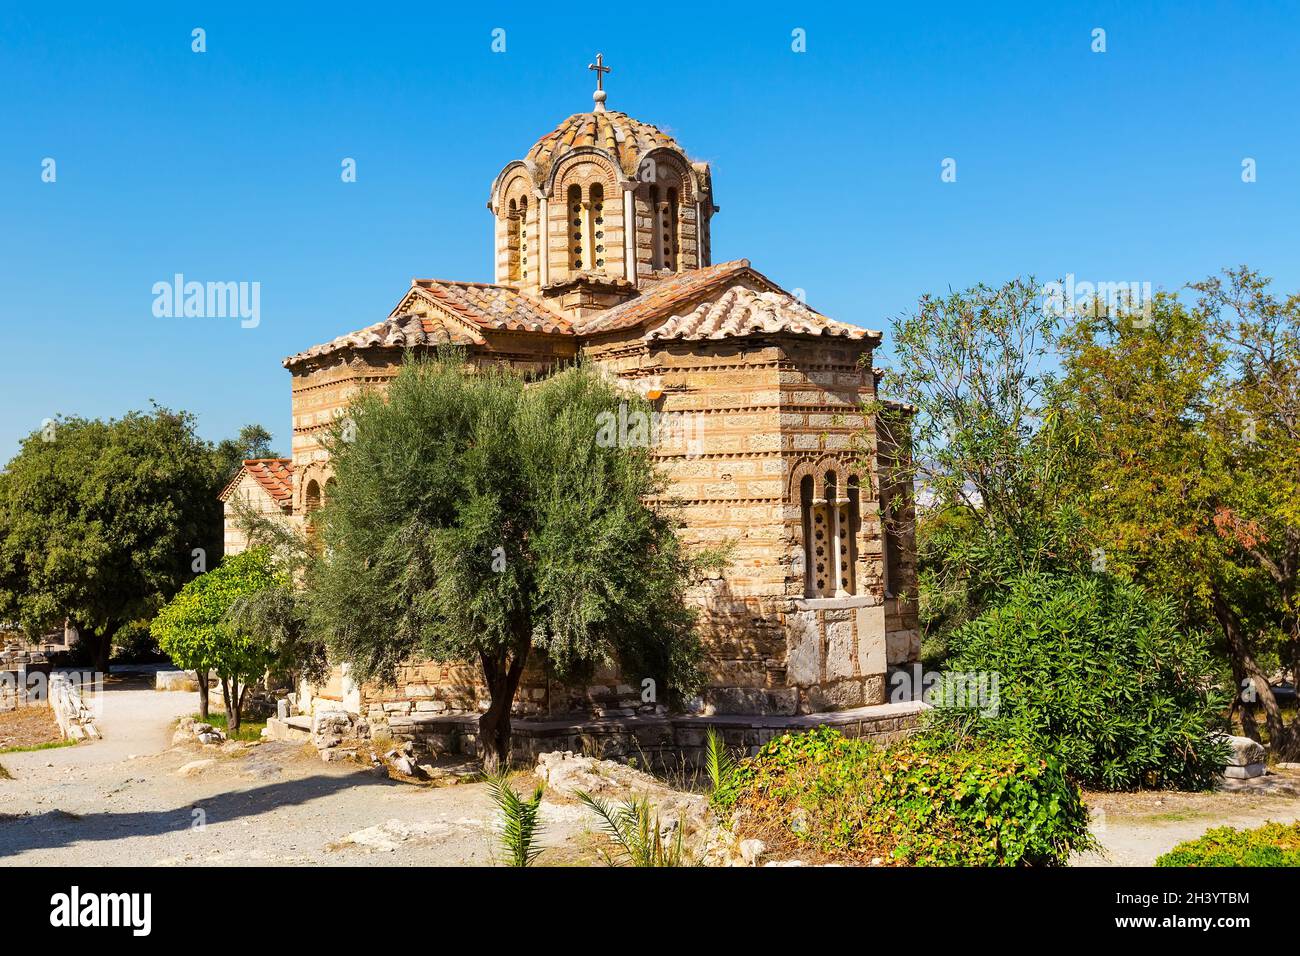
(293,728)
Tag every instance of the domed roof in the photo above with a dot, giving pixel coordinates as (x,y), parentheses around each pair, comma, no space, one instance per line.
(624,138)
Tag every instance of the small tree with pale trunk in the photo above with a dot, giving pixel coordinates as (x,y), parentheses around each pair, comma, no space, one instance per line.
(200,630)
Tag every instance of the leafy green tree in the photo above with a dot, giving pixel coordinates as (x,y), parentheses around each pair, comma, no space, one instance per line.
(199,632)
(1256,422)
(102,521)
(279,614)
(1186,422)
(1091,670)
(974,367)
(476,519)
(253,441)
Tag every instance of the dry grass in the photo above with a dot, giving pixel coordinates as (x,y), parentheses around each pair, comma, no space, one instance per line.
(29,728)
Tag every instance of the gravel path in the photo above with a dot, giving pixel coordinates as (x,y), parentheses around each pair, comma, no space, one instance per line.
(1136,828)
(123,802)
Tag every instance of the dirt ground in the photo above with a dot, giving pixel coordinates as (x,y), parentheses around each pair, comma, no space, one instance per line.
(1135,828)
(135,799)
(28,727)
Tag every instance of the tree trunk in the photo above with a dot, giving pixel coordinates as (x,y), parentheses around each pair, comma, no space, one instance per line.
(494,726)
(202,675)
(1249,728)
(1243,661)
(241,691)
(232,713)
(101,648)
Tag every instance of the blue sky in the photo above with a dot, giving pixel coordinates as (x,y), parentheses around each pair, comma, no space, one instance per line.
(225,165)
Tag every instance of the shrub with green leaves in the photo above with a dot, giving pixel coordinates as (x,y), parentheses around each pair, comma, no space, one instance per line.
(1096,673)
(921,802)
(1273,844)
(197,631)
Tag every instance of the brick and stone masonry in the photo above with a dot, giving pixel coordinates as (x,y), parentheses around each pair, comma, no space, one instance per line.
(602,236)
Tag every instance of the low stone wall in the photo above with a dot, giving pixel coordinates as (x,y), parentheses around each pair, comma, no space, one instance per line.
(662,742)
(22,679)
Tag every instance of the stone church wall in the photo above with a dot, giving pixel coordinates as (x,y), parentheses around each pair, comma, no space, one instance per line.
(740,422)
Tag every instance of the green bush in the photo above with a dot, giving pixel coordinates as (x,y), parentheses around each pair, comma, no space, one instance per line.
(1273,844)
(1093,671)
(917,803)
(134,643)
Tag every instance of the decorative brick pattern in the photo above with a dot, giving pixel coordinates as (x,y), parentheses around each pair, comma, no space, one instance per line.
(761,428)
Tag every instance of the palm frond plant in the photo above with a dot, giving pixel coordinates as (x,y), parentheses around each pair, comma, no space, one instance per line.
(520,824)
(718,761)
(635,830)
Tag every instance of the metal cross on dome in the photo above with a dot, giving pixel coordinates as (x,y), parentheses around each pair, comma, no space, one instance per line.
(601,69)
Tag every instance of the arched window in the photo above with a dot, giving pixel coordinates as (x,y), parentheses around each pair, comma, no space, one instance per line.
(330,485)
(834,559)
(512,243)
(661,222)
(849,536)
(311,498)
(575,227)
(521,239)
(806,508)
(670,231)
(830,532)
(596,227)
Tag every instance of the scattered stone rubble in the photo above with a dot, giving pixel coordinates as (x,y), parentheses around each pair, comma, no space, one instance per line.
(188,729)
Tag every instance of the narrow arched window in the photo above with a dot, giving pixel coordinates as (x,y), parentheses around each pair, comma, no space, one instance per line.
(852,525)
(521,239)
(512,243)
(596,226)
(670,231)
(311,498)
(823,542)
(656,231)
(575,227)
(834,558)
(806,514)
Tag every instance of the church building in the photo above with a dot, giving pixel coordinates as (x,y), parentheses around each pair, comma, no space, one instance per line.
(601,237)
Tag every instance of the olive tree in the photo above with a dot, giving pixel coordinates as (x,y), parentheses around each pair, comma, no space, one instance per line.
(479,519)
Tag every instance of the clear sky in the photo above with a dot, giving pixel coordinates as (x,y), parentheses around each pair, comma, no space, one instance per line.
(225,165)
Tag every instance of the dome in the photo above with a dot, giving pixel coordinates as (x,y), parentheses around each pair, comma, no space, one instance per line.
(622,137)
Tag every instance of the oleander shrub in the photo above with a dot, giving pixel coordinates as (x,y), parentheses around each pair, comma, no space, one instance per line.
(922,802)
(1273,844)
(1094,672)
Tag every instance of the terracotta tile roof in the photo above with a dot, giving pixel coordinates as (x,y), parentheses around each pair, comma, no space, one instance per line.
(624,138)
(661,297)
(718,301)
(275,475)
(402,331)
(491,306)
(742,311)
